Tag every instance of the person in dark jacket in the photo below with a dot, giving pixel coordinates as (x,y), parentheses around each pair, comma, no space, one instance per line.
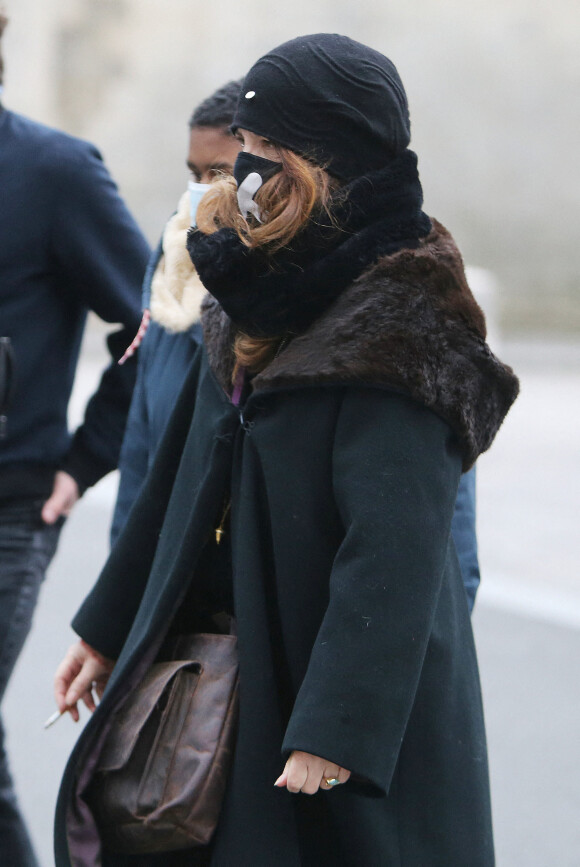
(306,483)
(172,293)
(68,244)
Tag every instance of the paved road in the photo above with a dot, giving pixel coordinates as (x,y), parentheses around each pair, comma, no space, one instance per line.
(527,625)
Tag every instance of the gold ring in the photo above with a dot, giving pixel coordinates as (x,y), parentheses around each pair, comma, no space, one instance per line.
(332,781)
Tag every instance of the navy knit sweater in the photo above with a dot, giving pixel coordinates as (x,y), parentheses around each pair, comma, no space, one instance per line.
(67,245)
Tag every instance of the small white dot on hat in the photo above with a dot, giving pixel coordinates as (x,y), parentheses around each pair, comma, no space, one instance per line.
(250,94)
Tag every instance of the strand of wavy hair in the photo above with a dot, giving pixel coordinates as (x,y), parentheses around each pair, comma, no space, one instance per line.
(289,200)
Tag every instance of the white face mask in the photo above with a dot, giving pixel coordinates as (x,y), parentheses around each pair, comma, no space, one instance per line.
(196,193)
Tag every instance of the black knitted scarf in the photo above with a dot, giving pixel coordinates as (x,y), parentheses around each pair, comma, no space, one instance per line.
(269,295)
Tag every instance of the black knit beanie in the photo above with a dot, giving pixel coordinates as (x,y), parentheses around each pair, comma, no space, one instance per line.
(328,98)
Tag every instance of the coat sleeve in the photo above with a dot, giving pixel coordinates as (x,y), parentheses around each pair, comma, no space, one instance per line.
(106,615)
(464,535)
(395,475)
(100,256)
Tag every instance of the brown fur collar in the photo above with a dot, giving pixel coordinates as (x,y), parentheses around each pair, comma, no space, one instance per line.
(409,323)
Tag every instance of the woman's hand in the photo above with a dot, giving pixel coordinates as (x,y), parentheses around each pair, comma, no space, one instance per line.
(307,773)
(81,671)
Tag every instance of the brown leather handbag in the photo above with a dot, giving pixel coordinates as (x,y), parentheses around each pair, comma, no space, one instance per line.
(161,775)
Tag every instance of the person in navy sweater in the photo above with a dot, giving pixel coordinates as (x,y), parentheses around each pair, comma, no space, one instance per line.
(67,245)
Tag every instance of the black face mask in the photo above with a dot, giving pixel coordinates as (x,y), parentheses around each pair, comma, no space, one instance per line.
(251,172)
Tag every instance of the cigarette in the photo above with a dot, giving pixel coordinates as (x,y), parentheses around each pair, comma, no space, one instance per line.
(54,717)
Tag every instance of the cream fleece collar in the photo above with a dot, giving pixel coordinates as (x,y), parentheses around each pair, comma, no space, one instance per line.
(176,290)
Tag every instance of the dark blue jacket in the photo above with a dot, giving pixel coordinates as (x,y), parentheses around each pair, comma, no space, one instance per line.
(67,245)
(164,360)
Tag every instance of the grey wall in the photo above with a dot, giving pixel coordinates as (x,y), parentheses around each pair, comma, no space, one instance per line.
(493,89)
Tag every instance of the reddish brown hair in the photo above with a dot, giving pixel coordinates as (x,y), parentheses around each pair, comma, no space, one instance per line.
(287,200)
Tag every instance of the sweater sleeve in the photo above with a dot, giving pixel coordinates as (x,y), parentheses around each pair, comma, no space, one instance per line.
(395,476)
(100,256)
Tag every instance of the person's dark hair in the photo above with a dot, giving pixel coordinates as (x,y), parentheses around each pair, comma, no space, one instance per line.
(218,109)
(3,23)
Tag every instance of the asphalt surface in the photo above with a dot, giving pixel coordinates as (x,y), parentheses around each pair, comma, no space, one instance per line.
(527,623)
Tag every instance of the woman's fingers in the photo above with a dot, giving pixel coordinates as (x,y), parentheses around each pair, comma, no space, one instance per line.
(333,772)
(307,774)
(330,772)
(65,674)
(312,782)
(296,772)
(83,682)
(75,677)
(343,776)
(88,700)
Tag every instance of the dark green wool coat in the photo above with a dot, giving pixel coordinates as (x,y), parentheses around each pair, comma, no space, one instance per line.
(354,634)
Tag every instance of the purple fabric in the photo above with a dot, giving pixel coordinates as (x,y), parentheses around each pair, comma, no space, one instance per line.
(239,386)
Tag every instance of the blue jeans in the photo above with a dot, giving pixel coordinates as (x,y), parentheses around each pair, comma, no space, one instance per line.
(26,548)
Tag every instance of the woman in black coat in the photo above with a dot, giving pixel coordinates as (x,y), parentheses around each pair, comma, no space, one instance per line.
(343,385)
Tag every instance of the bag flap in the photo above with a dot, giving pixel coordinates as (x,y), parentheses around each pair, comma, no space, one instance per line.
(135,712)
(217,653)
